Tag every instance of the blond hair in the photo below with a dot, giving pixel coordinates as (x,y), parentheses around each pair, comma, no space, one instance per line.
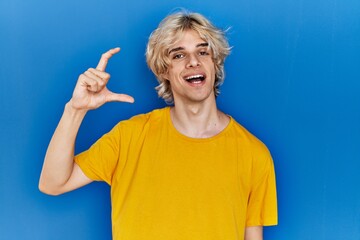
(165,36)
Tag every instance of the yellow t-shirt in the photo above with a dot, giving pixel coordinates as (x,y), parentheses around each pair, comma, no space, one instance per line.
(166,186)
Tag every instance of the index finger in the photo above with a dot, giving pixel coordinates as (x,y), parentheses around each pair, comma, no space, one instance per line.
(105,58)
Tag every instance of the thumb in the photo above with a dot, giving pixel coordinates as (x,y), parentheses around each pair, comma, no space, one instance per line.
(118,97)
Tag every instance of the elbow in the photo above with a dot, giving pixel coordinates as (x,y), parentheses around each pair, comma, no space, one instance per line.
(48,190)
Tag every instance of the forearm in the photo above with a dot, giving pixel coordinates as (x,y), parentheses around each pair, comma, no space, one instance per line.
(59,158)
(254,233)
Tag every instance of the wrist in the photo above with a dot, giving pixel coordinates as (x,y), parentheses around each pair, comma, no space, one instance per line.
(69,108)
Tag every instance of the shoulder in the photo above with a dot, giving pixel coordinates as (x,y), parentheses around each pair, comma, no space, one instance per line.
(248,138)
(145,117)
(251,146)
(258,155)
(139,122)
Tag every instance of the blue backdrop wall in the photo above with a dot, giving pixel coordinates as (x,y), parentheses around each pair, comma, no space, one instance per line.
(293,79)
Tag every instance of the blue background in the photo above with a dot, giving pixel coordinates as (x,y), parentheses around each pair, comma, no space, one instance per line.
(293,79)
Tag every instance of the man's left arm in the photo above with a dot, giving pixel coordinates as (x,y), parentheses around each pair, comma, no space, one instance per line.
(254,233)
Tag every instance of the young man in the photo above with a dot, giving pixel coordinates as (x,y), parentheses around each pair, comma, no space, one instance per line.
(183,172)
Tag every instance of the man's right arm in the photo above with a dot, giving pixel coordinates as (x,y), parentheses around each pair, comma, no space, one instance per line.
(60,173)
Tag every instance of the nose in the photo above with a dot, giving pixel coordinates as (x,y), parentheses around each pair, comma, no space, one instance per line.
(193,61)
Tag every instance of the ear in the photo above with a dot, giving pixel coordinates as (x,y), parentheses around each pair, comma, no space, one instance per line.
(165,76)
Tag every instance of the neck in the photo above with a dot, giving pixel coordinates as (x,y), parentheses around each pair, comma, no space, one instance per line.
(198,120)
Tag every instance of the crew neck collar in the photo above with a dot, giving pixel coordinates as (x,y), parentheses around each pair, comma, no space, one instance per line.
(179,134)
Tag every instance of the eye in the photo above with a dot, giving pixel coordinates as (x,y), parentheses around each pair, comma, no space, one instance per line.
(178,56)
(203,53)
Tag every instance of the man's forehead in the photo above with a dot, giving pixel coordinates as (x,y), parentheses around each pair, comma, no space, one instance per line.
(178,38)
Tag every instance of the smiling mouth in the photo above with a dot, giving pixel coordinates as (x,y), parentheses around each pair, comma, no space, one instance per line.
(197,78)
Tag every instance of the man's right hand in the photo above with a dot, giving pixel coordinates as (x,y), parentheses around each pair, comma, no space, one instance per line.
(91,92)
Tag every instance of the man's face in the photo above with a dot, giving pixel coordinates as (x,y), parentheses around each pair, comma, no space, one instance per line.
(192,70)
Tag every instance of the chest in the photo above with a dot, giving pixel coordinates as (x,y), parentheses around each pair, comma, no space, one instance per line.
(200,169)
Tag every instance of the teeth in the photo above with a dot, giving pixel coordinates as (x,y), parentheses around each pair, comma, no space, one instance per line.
(195,76)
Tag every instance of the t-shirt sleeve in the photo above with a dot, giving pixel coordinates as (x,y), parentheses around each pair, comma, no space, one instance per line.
(262,202)
(100,160)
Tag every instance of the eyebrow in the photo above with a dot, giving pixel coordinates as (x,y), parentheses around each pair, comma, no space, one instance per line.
(181,48)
